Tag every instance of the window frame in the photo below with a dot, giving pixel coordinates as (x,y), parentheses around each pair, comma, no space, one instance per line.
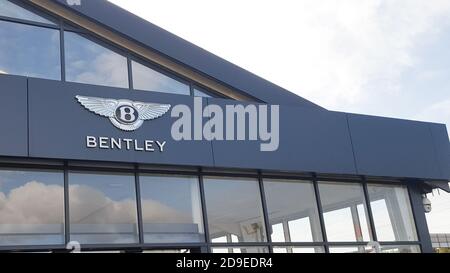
(137,170)
(158,68)
(100,42)
(46,169)
(64,25)
(34,9)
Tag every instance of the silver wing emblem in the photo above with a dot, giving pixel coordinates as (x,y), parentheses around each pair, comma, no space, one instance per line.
(124,114)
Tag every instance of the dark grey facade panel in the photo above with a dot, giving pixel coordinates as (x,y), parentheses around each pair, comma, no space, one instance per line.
(13,113)
(393,147)
(59,126)
(442,147)
(186,53)
(310,141)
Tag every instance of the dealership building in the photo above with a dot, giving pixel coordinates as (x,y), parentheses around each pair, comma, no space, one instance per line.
(88,157)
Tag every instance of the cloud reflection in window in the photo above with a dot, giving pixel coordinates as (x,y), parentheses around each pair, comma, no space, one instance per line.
(90,63)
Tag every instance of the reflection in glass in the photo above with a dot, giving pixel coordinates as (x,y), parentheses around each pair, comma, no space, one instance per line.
(171,209)
(90,63)
(145,78)
(350,249)
(237,250)
(278,233)
(203,94)
(102,208)
(292,210)
(291,249)
(345,212)
(234,209)
(384,249)
(392,213)
(400,249)
(31,207)
(29,51)
(9,9)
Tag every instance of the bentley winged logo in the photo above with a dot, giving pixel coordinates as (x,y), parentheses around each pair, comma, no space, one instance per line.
(124,114)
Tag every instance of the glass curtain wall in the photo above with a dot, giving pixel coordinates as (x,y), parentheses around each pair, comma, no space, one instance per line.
(31,46)
(244,214)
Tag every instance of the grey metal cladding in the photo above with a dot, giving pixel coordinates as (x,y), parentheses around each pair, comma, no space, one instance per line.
(59,126)
(186,53)
(442,147)
(310,140)
(13,113)
(393,147)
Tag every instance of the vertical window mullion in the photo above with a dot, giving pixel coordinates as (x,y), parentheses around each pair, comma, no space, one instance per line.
(130,72)
(321,218)
(66,205)
(62,51)
(139,207)
(204,213)
(415,211)
(191,86)
(369,211)
(265,212)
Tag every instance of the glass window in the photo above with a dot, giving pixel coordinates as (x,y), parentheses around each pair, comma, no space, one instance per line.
(234,209)
(345,212)
(298,250)
(102,208)
(171,209)
(90,63)
(199,93)
(145,78)
(351,249)
(392,213)
(240,250)
(400,249)
(9,9)
(31,207)
(292,210)
(29,51)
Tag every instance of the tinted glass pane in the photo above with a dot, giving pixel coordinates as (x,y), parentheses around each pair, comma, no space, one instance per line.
(234,209)
(241,250)
(90,63)
(343,204)
(384,249)
(171,209)
(351,249)
(298,250)
(102,208)
(400,249)
(9,9)
(292,210)
(392,213)
(198,93)
(145,78)
(29,51)
(31,207)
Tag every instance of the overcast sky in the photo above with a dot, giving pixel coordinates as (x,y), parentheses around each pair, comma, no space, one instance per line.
(378,57)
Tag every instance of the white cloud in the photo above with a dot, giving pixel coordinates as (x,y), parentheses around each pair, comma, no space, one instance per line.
(439,220)
(340,54)
(347,55)
(438,112)
(31,204)
(37,203)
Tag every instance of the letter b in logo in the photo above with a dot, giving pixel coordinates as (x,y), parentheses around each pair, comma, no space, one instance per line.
(126,114)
